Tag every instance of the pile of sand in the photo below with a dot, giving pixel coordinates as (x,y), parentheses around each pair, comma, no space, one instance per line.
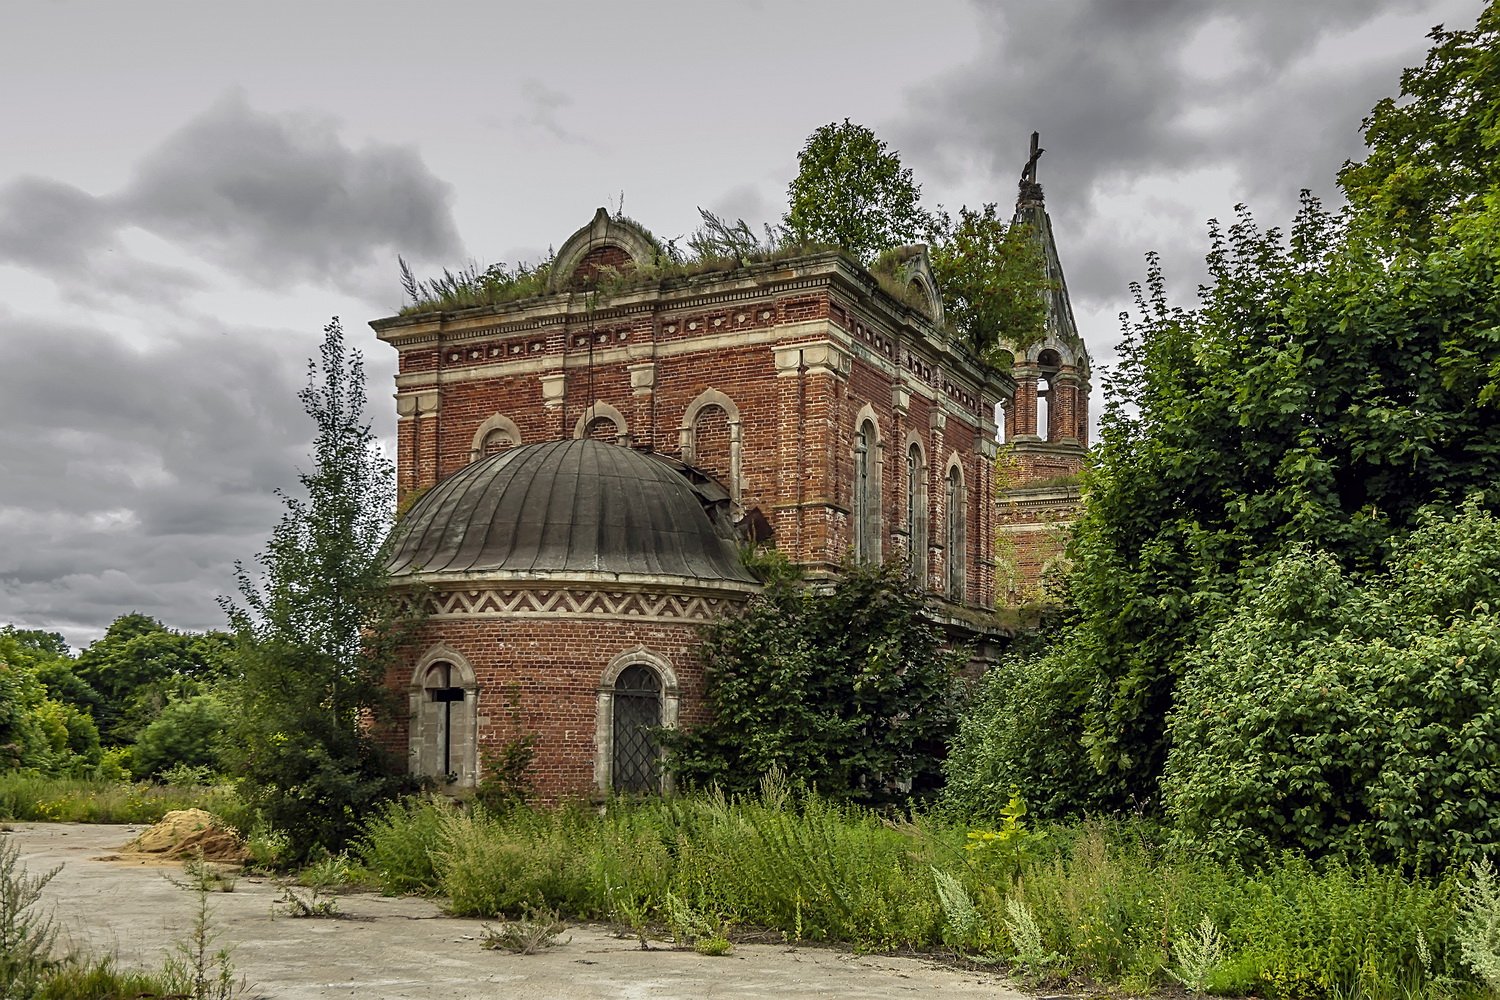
(184,833)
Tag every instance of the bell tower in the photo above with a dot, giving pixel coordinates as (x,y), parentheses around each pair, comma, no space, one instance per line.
(1046,424)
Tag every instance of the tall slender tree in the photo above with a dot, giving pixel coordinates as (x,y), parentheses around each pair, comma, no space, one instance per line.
(317,626)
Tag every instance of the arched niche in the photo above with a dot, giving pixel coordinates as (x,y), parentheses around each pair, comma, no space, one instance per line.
(497,426)
(687,436)
(916,274)
(599,412)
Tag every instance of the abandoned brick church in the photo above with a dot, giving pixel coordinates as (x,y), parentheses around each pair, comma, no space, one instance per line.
(581,469)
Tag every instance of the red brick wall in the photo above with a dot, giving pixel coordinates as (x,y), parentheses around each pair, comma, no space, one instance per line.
(541,676)
(796,431)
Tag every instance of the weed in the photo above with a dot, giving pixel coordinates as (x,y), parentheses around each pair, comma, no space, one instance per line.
(198,970)
(329,872)
(204,876)
(182,775)
(706,933)
(304,905)
(269,849)
(527,935)
(960,916)
(626,908)
(1479,923)
(1198,956)
(26,935)
(714,945)
(1033,960)
(396,849)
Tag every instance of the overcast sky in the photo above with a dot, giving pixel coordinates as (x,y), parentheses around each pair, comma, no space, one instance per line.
(188,191)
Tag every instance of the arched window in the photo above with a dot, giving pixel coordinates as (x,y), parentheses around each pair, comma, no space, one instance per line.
(638,694)
(955,542)
(636,766)
(916,514)
(443,696)
(497,441)
(495,435)
(866,493)
(602,422)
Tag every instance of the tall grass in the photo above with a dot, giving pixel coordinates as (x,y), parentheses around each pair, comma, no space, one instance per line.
(31,797)
(1097,903)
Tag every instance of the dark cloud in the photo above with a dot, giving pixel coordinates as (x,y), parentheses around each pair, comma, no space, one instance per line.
(72,237)
(1213,102)
(281,198)
(135,478)
(51,226)
(278,199)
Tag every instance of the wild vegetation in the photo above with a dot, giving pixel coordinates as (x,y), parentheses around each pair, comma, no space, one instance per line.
(849,689)
(851,194)
(1255,754)
(1313,445)
(1101,902)
(316,629)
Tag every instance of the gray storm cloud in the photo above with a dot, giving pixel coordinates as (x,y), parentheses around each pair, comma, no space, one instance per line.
(277,199)
(282,198)
(1213,102)
(135,478)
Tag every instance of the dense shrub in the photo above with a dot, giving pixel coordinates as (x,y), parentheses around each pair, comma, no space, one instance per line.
(1328,714)
(1023,733)
(188,733)
(848,690)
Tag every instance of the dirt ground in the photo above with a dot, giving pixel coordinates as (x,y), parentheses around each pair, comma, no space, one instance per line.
(406,948)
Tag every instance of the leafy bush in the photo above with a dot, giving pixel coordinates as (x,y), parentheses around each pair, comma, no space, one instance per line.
(186,733)
(850,691)
(1328,715)
(1023,732)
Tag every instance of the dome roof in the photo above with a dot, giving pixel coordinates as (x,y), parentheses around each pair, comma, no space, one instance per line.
(568,508)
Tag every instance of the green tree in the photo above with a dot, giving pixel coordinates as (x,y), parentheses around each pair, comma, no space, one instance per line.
(138,666)
(993,279)
(848,690)
(1328,384)
(1432,152)
(850,192)
(189,731)
(316,631)
(1328,713)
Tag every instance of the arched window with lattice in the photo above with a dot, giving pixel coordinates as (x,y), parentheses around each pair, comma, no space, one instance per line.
(956,539)
(638,695)
(865,511)
(916,514)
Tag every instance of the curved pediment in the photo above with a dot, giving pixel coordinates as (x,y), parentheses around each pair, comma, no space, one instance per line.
(604,242)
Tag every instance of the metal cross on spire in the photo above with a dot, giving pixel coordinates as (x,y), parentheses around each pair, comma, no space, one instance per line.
(1028,174)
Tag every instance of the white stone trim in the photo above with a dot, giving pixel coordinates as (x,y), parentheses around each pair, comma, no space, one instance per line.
(597,411)
(498,422)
